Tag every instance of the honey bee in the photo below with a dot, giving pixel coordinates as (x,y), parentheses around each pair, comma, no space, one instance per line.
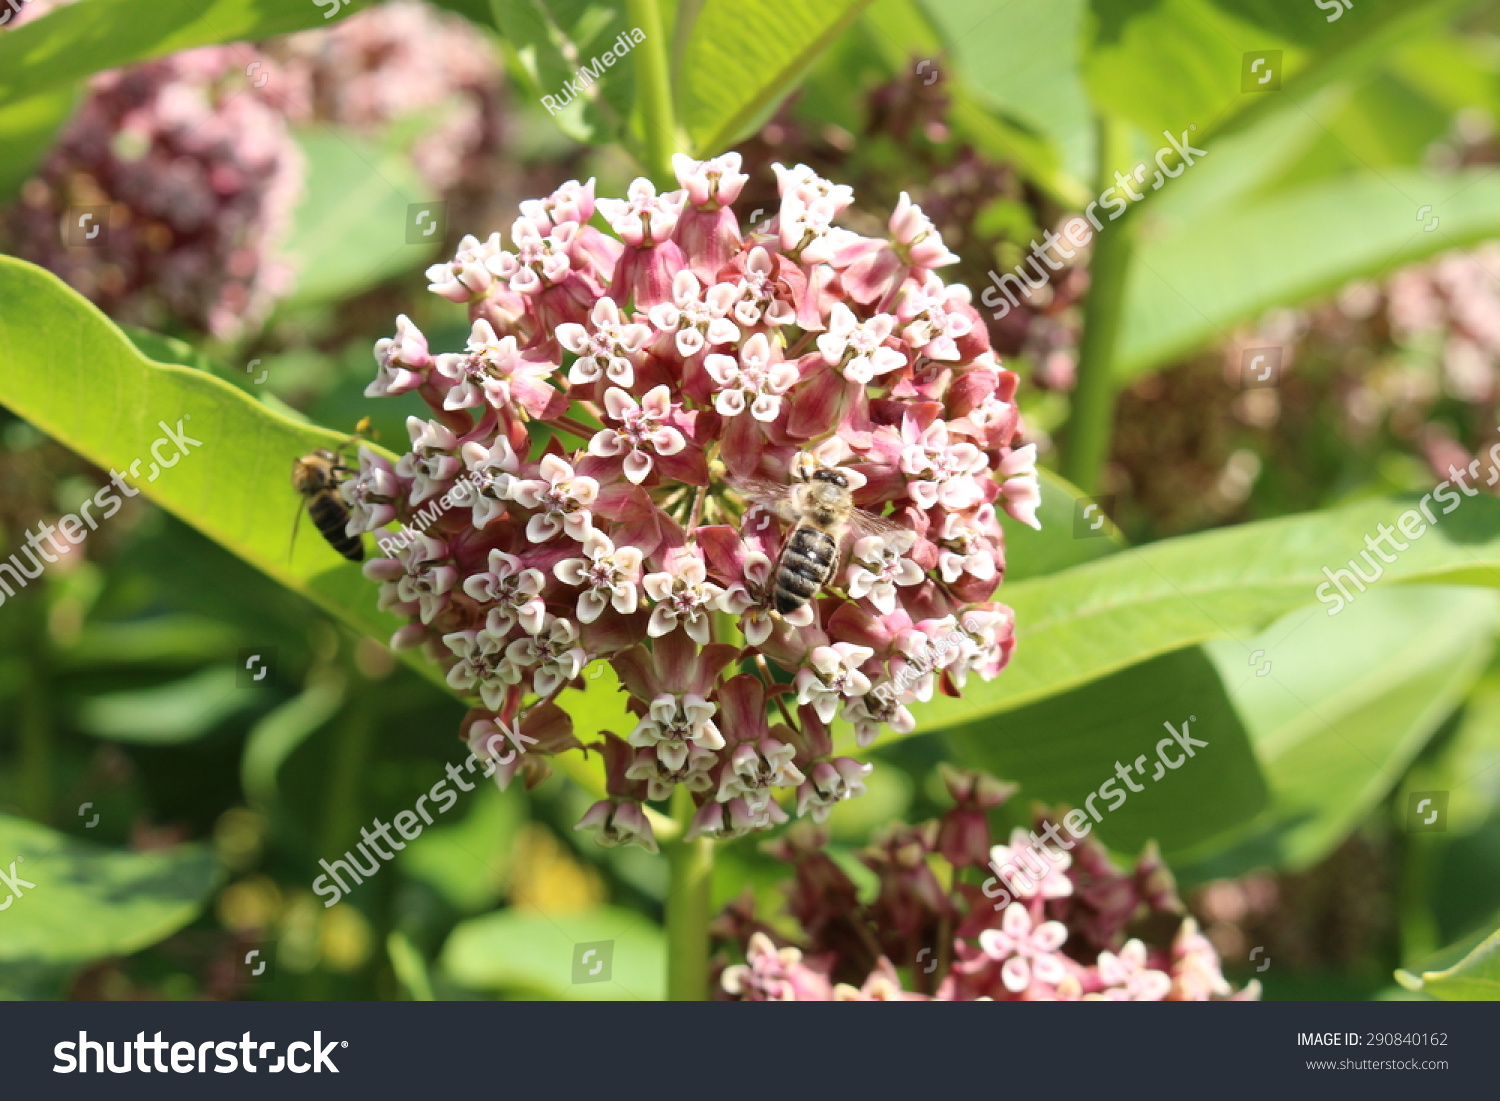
(819,506)
(317,476)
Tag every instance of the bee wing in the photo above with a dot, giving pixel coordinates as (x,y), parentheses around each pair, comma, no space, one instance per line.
(761,491)
(895,536)
(774,497)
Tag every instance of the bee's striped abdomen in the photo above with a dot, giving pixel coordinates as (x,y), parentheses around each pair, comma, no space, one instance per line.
(806,562)
(329,516)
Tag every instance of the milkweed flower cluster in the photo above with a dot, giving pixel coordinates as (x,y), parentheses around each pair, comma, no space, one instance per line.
(1070,935)
(187,186)
(589,450)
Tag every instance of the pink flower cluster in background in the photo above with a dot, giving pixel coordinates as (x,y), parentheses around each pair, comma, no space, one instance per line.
(1073,930)
(190,186)
(193,157)
(588,449)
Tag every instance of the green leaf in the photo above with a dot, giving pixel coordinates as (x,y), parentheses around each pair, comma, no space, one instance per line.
(164,640)
(521,950)
(26,132)
(274,738)
(547,42)
(744,56)
(85,38)
(1170,64)
(70,372)
(1063,750)
(1338,708)
(66,369)
(467,862)
(1474,978)
(1032,553)
(169,714)
(1188,287)
(1089,621)
(89,902)
(1025,60)
(350,230)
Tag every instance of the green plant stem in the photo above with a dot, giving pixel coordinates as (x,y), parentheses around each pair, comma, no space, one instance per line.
(653,80)
(35,720)
(691,867)
(1092,419)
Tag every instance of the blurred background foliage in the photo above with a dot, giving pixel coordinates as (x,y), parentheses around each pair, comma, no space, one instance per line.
(1342,218)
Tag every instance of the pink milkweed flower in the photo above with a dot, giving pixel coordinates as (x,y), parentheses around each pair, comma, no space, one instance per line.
(831,782)
(675,725)
(758,300)
(491,477)
(916,237)
(697,319)
(427,576)
(932,318)
(562,498)
(403,361)
(683,596)
(550,652)
(432,462)
(774,975)
(968,544)
(371,493)
(694,771)
(1128,978)
(878,567)
(858,348)
(833,676)
(756,382)
(643,430)
(617,823)
(716,181)
(643,218)
(510,593)
(708,230)
(943,472)
(484,665)
(1021,490)
(604,575)
(467,276)
(484,375)
(571,202)
(1196,975)
(1036,874)
(1029,950)
(609,352)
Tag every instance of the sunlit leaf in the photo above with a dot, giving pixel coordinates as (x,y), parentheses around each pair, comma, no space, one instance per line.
(536,952)
(744,56)
(90,902)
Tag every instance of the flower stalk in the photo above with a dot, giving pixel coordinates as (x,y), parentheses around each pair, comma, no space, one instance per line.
(653,76)
(1092,421)
(691,866)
